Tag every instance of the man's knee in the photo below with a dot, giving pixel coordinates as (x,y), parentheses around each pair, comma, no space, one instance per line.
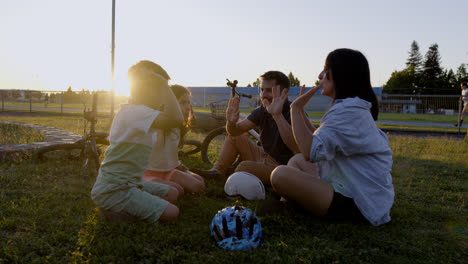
(245,165)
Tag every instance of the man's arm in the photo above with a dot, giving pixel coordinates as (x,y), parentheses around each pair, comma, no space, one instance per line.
(275,109)
(233,126)
(235,129)
(286,133)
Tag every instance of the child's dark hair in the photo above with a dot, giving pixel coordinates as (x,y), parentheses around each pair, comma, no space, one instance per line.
(351,76)
(277,76)
(145,75)
(464,83)
(179,91)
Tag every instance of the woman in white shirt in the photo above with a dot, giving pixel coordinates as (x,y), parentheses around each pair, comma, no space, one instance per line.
(343,169)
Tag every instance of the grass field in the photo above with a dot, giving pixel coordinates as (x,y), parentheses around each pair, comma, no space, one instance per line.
(15,134)
(47,216)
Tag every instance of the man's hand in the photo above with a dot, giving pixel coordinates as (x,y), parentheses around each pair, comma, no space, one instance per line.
(276,106)
(232,111)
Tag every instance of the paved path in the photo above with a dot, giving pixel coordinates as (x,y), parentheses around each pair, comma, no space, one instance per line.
(411,123)
(388,122)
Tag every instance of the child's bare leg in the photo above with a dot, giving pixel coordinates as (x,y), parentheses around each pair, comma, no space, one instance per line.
(170,183)
(188,182)
(170,214)
(198,177)
(171,195)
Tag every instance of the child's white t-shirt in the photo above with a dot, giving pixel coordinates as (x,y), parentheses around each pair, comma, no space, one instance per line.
(164,156)
(131,142)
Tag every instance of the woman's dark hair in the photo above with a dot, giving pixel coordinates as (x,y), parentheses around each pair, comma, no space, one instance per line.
(179,91)
(351,76)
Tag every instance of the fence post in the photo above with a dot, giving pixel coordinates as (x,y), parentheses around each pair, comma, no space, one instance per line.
(459,113)
(3,100)
(30,102)
(61,103)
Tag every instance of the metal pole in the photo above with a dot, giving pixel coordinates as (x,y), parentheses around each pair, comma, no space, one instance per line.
(30,102)
(61,103)
(112,60)
(3,100)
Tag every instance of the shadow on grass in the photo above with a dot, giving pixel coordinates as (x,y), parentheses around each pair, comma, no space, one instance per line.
(46,213)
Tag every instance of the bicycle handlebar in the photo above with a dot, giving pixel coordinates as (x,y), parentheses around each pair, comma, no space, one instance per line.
(233,86)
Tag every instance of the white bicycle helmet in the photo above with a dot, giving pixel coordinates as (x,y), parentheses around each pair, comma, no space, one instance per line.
(246,185)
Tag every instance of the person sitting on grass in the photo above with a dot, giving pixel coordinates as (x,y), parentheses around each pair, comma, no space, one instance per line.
(349,177)
(119,191)
(165,166)
(273,120)
(464,94)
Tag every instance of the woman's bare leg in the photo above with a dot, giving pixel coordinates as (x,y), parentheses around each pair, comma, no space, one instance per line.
(312,193)
(299,162)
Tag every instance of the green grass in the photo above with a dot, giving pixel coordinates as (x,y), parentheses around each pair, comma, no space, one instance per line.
(15,134)
(70,122)
(46,215)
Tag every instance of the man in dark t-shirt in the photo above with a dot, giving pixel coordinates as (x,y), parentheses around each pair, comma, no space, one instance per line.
(274,122)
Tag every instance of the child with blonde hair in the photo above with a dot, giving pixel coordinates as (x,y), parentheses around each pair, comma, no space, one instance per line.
(165,166)
(119,191)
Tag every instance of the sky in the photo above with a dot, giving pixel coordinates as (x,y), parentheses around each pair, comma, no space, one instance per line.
(54,44)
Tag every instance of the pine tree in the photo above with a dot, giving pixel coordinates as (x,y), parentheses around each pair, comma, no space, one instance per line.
(256,83)
(415,58)
(432,68)
(461,75)
(432,73)
(294,80)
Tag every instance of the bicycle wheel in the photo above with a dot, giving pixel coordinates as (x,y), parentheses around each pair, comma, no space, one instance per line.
(90,158)
(40,153)
(213,144)
(190,147)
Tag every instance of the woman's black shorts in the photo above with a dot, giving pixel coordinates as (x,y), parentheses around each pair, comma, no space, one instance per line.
(344,209)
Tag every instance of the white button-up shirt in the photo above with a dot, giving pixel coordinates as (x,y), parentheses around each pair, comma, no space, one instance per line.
(353,156)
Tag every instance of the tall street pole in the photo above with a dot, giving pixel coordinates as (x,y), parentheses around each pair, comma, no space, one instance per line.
(112,60)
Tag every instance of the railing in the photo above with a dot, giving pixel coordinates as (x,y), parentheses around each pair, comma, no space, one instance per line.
(60,101)
(419,104)
(54,101)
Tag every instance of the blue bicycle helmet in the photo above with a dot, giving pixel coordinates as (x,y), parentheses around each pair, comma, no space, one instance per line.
(236,228)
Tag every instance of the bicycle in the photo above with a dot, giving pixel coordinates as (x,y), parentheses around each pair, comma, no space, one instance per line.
(89,151)
(213,142)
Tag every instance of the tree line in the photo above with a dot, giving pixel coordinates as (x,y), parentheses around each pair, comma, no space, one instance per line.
(425,75)
(295,82)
